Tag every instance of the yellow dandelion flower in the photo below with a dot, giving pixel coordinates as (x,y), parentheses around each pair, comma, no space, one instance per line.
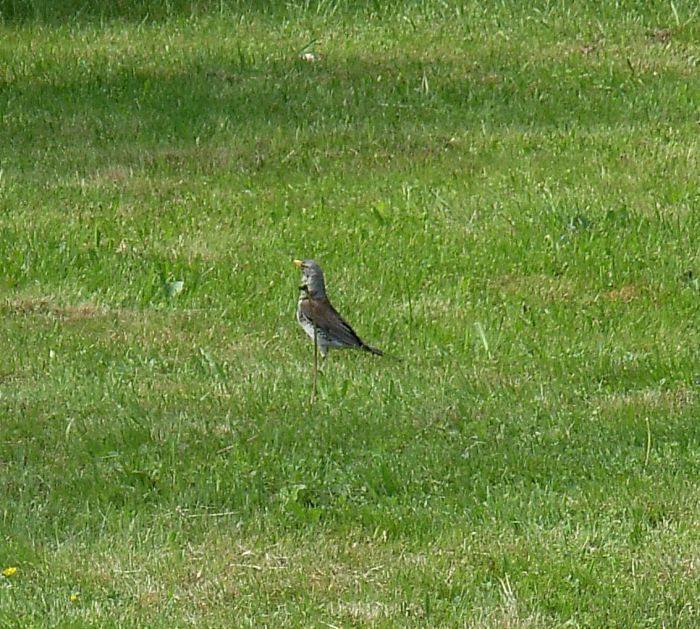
(9,571)
(73,598)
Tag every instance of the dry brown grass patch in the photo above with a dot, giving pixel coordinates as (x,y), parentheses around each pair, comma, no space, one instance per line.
(46,307)
(540,286)
(649,398)
(625,293)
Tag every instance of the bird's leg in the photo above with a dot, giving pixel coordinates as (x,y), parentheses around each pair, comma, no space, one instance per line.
(313,388)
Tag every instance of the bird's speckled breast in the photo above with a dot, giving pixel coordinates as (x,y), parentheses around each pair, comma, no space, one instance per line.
(303,320)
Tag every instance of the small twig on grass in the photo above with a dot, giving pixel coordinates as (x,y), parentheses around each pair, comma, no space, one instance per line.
(253,566)
(220,514)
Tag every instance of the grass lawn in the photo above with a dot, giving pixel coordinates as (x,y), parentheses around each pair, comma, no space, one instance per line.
(505,198)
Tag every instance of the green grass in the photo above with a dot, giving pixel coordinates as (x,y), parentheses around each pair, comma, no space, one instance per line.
(504,196)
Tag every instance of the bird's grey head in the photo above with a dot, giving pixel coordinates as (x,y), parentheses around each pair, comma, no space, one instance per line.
(312,278)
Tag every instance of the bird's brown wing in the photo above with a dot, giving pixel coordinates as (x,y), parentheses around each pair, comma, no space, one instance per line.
(331,324)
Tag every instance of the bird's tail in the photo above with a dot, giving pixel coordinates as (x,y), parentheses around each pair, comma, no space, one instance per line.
(372,350)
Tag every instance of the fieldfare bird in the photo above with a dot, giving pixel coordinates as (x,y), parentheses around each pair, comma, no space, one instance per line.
(320,320)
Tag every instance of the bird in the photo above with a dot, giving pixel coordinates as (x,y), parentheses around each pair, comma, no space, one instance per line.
(320,320)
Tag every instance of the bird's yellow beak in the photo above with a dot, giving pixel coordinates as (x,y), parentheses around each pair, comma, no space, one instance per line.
(297,263)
